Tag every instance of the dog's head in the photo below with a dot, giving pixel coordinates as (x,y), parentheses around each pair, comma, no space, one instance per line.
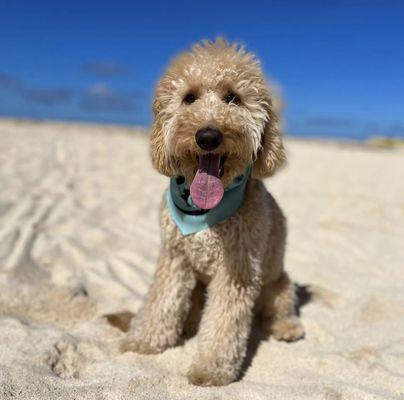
(213,116)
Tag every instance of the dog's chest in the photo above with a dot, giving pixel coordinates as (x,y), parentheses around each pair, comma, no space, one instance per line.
(204,250)
(237,242)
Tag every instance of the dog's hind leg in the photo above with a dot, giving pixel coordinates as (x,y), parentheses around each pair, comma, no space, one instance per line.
(278,312)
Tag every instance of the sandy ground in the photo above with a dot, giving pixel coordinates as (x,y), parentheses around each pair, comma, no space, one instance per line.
(79,238)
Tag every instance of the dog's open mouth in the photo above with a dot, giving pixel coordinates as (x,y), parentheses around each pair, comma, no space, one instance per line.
(207,188)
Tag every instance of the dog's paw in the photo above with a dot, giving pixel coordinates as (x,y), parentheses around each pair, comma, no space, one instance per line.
(140,346)
(203,374)
(287,329)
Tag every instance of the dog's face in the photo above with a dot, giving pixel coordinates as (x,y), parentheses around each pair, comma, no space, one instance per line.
(214,114)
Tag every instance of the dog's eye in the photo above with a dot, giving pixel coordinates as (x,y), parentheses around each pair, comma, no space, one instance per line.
(189,98)
(232,98)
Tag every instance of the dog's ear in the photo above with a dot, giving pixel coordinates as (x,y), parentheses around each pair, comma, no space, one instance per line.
(271,154)
(160,160)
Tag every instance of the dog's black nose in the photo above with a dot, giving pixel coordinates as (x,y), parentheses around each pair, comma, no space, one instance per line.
(208,138)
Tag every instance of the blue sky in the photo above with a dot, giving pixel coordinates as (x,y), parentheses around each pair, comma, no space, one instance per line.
(340,63)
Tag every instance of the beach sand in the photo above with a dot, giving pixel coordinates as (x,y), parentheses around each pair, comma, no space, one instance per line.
(79,238)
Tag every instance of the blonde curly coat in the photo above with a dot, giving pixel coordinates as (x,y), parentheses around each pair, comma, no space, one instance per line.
(239,261)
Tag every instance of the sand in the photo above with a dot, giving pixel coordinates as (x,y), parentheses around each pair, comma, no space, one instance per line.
(79,239)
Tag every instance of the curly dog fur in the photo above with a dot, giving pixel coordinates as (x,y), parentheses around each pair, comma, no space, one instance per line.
(239,261)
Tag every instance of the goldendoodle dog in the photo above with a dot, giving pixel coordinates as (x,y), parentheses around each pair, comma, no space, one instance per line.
(216,134)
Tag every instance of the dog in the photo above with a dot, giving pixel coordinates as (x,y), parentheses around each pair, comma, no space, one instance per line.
(216,134)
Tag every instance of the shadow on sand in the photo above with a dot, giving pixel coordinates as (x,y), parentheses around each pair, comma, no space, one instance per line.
(304,296)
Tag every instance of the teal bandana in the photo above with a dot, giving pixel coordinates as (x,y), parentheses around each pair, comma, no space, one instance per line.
(191,219)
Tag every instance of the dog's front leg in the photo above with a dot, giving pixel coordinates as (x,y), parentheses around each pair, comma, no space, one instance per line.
(159,322)
(224,330)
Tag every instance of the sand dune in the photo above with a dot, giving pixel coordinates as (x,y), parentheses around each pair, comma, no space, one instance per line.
(79,238)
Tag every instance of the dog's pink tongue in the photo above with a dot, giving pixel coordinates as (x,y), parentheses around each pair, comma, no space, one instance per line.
(206,188)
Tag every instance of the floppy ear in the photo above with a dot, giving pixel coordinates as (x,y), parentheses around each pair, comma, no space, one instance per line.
(160,159)
(271,153)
